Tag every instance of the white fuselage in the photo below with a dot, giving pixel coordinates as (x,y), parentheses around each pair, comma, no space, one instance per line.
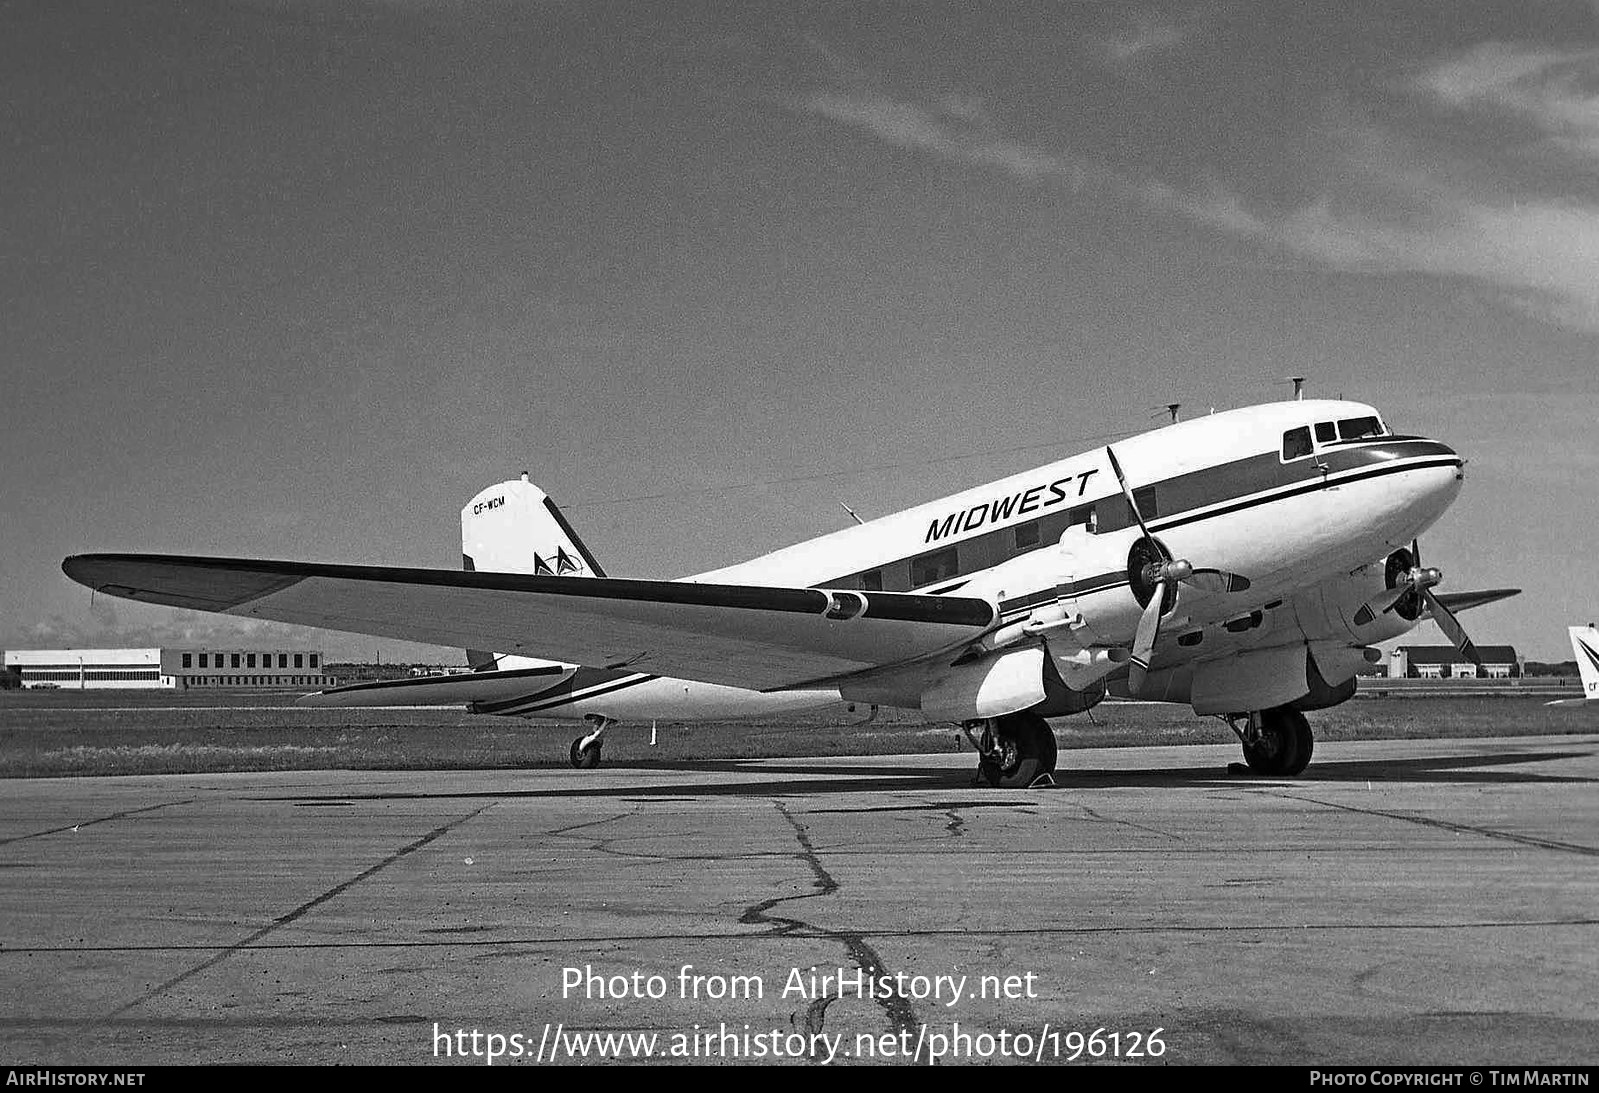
(1304,526)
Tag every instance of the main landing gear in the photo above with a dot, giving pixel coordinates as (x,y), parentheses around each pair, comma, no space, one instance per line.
(1277,742)
(1014,751)
(586,749)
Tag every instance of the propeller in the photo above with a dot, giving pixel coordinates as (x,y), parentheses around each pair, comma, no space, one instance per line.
(1410,593)
(1151,565)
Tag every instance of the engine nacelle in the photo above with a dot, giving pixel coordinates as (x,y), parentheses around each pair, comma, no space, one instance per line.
(991,687)
(1021,678)
(1108,616)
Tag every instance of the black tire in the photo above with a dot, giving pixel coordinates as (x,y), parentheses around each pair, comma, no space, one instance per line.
(1304,740)
(1284,735)
(585,758)
(1029,750)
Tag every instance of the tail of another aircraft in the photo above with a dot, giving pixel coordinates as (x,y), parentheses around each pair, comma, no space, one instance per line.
(1585,642)
(514,527)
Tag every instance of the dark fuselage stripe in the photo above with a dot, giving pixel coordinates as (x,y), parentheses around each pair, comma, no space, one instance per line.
(570,694)
(1106,581)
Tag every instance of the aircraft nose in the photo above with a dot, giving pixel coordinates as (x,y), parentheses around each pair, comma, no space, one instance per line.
(1438,477)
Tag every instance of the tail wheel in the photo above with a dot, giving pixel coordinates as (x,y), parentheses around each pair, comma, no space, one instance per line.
(1283,745)
(1024,748)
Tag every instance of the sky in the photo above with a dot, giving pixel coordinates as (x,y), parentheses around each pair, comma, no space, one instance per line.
(296,278)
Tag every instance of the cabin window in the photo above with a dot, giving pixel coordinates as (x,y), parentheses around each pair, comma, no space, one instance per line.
(1148,507)
(872,580)
(1027,535)
(1326,432)
(1355,428)
(940,565)
(1296,443)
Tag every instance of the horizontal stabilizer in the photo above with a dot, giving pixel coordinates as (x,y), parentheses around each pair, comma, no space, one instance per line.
(464,689)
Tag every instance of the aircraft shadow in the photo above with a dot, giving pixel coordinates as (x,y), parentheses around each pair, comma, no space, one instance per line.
(799,779)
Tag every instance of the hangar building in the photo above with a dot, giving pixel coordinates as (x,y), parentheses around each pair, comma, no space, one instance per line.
(1443,662)
(172,669)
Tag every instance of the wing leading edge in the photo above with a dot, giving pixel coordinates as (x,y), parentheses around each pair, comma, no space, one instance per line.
(764,638)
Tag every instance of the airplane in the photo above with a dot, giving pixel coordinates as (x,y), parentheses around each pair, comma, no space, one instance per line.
(1585,643)
(1244,563)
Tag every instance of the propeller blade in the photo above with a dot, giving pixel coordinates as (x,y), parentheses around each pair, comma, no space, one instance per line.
(1127,492)
(1217,580)
(1451,627)
(1144,641)
(1382,604)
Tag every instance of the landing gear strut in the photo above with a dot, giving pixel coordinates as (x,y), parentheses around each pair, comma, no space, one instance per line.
(1277,743)
(1014,751)
(586,749)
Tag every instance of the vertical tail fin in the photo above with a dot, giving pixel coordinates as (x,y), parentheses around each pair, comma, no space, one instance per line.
(514,527)
(1585,642)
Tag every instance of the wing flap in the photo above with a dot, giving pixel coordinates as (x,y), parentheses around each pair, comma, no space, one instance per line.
(739,635)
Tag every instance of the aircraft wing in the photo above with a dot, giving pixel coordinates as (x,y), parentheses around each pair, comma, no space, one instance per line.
(761,638)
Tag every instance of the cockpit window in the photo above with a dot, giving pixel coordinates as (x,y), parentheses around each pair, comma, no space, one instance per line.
(1326,432)
(1296,443)
(1354,428)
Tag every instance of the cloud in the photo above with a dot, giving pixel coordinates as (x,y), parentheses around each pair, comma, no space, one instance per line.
(1149,36)
(1557,90)
(956,128)
(1540,256)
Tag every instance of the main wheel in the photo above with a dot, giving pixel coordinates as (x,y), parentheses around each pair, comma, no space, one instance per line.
(1304,739)
(1284,746)
(585,758)
(1026,750)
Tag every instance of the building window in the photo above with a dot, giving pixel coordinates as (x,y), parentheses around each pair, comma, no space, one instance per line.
(249,660)
(313,660)
(299,660)
(188,660)
(283,660)
(205,660)
(235,663)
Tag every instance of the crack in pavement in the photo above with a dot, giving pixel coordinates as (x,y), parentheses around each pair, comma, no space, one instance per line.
(100,820)
(302,909)
(1446,825)
(898,1009)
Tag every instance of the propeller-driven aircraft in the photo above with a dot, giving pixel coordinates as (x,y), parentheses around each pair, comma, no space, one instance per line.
(1585,643)
(1244,563)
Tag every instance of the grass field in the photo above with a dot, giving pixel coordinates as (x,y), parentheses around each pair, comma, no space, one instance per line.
(63,733)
